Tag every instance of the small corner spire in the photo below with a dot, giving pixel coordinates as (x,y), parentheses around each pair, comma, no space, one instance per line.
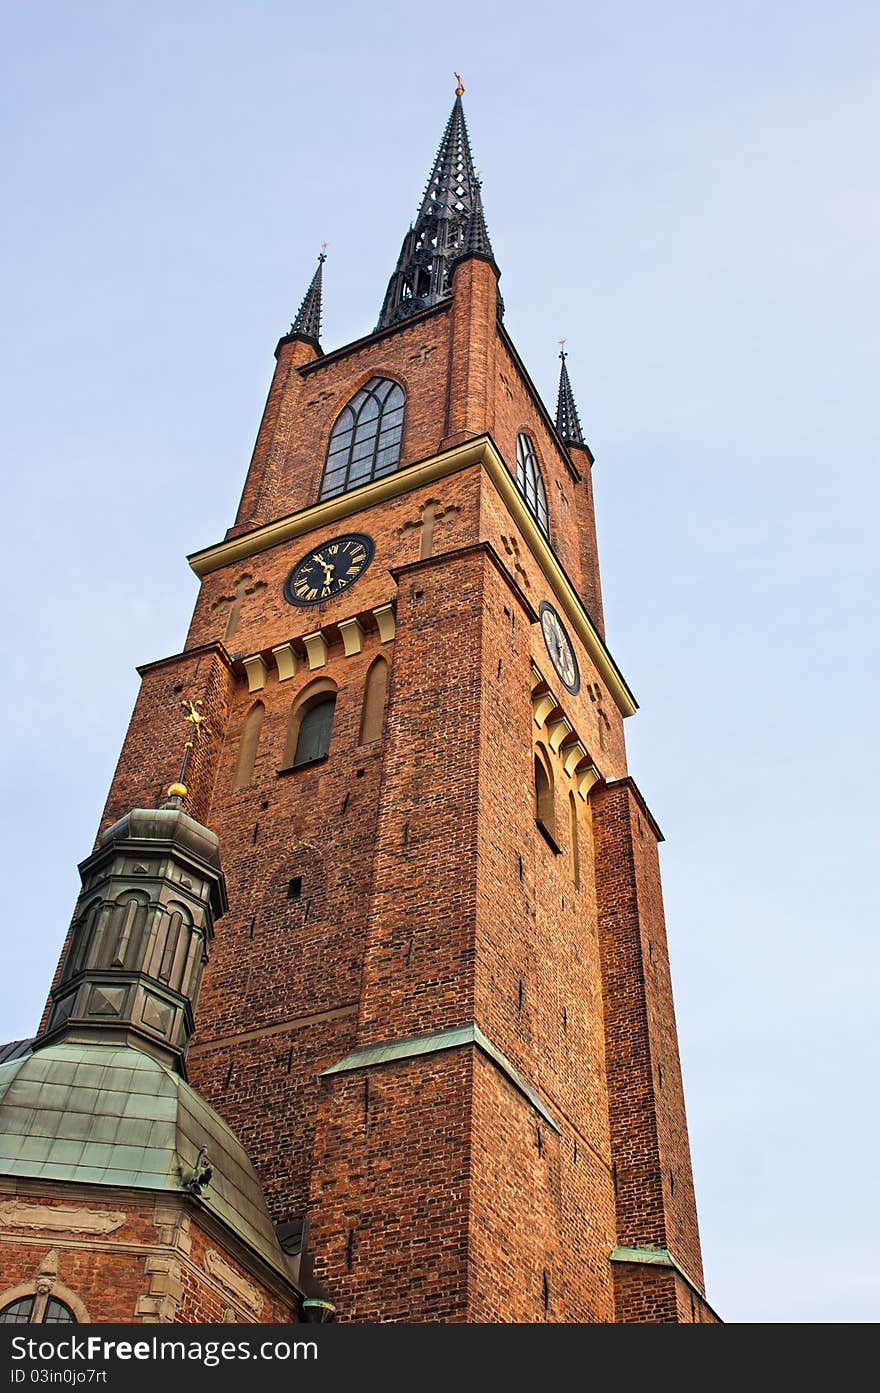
(476,241)
(568,425)
(307,324)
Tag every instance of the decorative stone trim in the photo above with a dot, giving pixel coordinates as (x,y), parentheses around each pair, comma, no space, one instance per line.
(233,1281)
(542,704)
(256,670)
(561,735)
(352,636)
(160,1302)
(43,1285)
(385,622)
(285,661)
(173,1225)
(572,754)
(316,648)
(62,1218)
(481,451)
(558,730)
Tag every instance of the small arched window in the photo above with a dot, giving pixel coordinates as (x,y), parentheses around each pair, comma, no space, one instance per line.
(315,728)
(51,1312)
(247,750)
(373,711)
(365,440)
(530,482)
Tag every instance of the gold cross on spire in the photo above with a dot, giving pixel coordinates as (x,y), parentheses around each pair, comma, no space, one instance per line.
(459,91)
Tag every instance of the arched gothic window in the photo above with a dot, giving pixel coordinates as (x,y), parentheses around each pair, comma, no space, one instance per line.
(21,1312)
(365,440)
(530,482)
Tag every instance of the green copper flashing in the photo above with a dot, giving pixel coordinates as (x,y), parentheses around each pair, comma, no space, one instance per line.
(431,1044)
(107,1114)
(658,1257)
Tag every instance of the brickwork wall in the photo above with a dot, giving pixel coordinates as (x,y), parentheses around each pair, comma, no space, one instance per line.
(156,1262)
(391,1194)
(542,1216)
(648,1127)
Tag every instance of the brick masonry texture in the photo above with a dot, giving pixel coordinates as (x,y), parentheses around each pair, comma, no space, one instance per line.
(427,897)
(154,1264)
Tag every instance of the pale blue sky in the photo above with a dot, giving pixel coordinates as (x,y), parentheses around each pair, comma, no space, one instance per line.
(688,193)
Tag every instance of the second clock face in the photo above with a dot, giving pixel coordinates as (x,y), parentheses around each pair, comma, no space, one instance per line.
(559,647)
(329,569)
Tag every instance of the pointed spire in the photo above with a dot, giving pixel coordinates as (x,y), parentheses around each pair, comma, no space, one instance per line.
(476,241)
(307,324)
(450,223)
(568,424)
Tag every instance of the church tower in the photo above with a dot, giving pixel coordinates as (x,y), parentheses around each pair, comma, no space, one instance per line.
(438,1011)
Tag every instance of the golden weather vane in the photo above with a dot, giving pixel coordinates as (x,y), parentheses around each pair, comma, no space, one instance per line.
(196,720)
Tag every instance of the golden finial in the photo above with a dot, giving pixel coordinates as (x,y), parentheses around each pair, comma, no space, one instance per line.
(459,91)
(562,353)
(195,718)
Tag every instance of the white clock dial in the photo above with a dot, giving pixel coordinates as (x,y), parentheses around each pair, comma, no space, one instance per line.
(559,647)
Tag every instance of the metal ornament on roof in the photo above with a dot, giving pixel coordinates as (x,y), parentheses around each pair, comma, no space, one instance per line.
(450,224)
(568,425)
(307,323)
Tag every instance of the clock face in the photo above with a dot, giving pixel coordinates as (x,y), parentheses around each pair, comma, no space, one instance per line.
(559,647)
(329,570)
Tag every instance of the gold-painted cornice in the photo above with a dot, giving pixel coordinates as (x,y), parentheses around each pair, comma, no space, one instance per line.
(480,451)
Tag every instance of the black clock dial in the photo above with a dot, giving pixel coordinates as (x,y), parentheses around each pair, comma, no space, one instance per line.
(329,569)
(559,646)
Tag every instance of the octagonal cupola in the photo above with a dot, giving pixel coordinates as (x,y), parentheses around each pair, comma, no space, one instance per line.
(144,921)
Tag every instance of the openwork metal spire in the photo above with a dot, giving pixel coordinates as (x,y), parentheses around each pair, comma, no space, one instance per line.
(568,423)
(450,224)
(308,317)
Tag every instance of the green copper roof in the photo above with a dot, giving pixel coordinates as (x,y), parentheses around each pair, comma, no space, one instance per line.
(111,1115)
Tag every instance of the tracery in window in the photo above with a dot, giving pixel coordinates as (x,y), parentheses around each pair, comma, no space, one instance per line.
(22,1312)
(365,440)
(530,481)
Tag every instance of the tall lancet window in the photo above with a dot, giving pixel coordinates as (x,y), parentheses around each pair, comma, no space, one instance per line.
(531,484)
(365,439)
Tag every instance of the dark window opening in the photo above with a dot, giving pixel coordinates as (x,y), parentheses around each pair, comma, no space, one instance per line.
(295,888)
(313,740)
(545,812)
(21,1312)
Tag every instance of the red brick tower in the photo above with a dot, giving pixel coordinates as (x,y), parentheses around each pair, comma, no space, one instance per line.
(438,1013)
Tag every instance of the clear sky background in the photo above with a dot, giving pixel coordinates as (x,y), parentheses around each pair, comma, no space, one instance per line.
(688,193)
